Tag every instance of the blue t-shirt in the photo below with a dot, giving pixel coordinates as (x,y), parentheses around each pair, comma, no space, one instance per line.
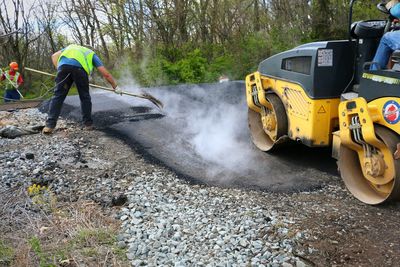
(72,62)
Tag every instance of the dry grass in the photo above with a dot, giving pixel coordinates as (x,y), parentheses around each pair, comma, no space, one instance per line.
(60,234)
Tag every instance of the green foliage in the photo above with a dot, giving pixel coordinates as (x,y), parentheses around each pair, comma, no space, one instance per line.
(42,197)
(250,51)
(220,65)
(189,69)
(90,237)
(202,63)
(364,10)
(6,254)
(165,42)
(36,246)
(88,242)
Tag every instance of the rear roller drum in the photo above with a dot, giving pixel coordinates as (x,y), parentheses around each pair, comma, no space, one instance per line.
(268,127)
(380,180)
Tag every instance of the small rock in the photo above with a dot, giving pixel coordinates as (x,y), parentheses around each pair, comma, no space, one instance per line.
(119,200)
(138,214)
(137,262)
(29,155)
(136,221)
(267,255)
(121,244)
(243,242)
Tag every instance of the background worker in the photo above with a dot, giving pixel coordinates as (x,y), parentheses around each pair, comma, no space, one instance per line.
(389,42)
(13,80)
(74,65)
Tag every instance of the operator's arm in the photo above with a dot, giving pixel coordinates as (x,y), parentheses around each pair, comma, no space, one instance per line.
(54,58)
(107,75)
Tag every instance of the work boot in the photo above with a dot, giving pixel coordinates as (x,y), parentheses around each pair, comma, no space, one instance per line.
(47,130)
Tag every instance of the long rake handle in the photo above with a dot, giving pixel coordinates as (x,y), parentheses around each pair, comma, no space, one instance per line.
(146,96)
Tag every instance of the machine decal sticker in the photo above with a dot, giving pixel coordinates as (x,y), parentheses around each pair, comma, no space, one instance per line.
(391,112)
(325,57)
(381,79)
(321,110)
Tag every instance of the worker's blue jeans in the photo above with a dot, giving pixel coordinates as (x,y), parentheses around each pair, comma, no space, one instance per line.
(389,42)
(11,95)
(65,77)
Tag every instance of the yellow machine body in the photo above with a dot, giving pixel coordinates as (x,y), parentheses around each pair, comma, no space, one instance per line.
(333,93)
(369,113)
(365,146)
(310,121)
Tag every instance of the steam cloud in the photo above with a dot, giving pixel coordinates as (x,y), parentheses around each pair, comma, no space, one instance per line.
(214,126)
(208,137)
(212,119)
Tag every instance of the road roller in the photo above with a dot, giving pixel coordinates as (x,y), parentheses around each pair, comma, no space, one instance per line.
(324,94)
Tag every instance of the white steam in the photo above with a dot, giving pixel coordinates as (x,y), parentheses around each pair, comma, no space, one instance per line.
(215,128)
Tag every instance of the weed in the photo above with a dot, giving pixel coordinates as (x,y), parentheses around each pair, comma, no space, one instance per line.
(36,246)
(6,254)
(88,237)
(120,253)
(42,197)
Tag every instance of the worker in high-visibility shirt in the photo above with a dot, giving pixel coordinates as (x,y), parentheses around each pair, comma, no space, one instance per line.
(13,80)
(74,65)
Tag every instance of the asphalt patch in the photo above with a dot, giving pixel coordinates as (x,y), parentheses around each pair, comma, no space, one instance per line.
(202,135)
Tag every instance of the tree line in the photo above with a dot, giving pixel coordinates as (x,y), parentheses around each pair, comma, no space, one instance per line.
(170,41)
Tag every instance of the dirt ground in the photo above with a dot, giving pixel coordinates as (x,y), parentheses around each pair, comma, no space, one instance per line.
(345,232)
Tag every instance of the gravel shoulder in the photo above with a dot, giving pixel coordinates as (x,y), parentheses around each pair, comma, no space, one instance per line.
(132,211)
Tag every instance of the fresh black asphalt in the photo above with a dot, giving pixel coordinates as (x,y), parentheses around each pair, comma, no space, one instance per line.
(202,134)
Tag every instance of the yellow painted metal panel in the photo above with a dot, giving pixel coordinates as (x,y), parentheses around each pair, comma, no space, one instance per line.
(310,121)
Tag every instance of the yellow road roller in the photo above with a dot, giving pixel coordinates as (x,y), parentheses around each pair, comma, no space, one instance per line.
(324,94)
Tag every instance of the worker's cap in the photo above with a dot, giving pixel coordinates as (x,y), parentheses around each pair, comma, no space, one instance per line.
(14,65)
(391,4)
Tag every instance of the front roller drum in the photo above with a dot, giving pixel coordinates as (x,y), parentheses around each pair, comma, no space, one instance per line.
(374,189)
(268,128)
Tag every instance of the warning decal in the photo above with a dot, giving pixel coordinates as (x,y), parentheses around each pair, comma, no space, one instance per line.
(391,112)
(325,57)
(321,110)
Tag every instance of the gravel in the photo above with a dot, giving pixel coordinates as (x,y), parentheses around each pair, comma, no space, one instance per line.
(170,222)
(165,221)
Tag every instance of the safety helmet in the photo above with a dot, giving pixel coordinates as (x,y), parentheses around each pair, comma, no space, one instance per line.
(14,65)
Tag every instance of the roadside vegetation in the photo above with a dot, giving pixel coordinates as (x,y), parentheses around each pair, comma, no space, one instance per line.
(39,231)
(167,42)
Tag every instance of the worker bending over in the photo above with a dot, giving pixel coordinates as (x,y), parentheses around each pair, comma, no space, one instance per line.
(74,65)
(13,80)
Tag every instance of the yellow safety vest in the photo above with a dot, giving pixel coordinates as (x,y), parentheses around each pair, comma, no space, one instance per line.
(81,54)
(12,81)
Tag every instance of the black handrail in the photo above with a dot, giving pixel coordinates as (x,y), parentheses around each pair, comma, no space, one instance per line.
(351,17)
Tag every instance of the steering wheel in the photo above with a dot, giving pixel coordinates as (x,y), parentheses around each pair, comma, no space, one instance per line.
(382,7)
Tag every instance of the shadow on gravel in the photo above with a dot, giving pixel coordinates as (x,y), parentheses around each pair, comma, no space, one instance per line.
(202,135)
